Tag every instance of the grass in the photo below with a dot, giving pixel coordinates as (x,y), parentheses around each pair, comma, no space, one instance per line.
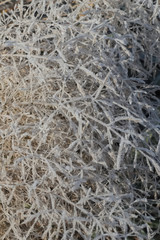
(79,123)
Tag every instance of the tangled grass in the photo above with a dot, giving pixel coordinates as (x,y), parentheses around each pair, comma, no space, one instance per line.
(80,120)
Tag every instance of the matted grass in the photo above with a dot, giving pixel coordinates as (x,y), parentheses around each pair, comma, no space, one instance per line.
(80,120)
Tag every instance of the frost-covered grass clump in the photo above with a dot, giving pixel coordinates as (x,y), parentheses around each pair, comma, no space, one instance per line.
(80,120)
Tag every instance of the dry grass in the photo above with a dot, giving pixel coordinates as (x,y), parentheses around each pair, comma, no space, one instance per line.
(80,121)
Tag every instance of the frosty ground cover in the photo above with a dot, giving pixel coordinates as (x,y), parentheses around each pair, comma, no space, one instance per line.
(80,120)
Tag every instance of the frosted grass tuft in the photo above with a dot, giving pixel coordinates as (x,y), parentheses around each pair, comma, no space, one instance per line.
(80,120)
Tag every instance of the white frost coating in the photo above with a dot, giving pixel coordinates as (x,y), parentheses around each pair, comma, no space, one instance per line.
(79,126)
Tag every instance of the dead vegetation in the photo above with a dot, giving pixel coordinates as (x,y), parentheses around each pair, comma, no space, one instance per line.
(80,120)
